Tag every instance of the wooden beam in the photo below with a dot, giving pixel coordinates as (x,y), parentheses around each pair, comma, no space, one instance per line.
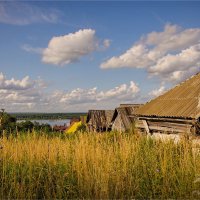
(146,127)
(168,129)
(167,119)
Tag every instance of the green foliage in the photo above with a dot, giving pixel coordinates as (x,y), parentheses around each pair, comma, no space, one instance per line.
(10,125)
(31,116)
(25,126)
(42,127)
(8,122)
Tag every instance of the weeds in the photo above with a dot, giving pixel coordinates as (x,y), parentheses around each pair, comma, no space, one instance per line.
(109,165)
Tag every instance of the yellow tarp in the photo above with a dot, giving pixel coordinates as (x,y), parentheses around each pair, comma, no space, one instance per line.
(73,128)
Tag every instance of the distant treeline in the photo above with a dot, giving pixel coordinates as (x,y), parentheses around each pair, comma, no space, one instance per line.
(31,116)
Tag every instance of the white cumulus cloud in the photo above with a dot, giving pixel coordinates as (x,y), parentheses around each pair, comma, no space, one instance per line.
(157,92)
(22,95)
(172,54)
(70,48)
(177,66)
(123,92)
(13,84)
(131,58)
(173,38)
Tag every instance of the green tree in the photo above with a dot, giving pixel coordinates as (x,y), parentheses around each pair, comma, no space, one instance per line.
(7,122)
(25,126)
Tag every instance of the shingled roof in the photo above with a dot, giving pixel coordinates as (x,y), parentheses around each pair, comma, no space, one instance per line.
(183,101)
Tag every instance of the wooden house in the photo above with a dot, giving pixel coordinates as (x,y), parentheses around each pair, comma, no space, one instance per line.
(121,120)
(176,111)
(99,120)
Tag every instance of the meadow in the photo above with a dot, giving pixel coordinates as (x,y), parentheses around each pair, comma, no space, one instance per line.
(89,165)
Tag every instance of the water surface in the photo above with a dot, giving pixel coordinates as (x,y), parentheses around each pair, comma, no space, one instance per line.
(52,122)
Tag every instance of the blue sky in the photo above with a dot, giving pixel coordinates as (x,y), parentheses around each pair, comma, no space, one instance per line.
(74,56)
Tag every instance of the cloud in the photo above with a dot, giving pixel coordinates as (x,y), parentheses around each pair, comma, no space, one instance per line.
(173,38)
(79,96)
(106,43)
(12,84)
(33,95)
(20,95)
(18,13)
(28,48)
(157,92)
(171,54)
(66,49)
(137,57)
(93,98)
(70,48)
(178,65)
(123,92)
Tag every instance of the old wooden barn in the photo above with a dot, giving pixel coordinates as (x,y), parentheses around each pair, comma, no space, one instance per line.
(121,120)
(176,111)
(99,120)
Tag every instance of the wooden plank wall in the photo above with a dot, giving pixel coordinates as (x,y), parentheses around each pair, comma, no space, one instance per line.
(165,126)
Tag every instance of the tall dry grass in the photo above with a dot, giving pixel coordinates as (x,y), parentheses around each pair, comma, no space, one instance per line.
(109,165)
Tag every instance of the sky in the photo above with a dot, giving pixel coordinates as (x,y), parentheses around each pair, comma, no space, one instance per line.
(71,56)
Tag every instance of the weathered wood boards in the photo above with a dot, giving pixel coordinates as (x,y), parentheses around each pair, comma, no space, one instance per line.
(176,111)
(152,125)
(121,120)
(99,120)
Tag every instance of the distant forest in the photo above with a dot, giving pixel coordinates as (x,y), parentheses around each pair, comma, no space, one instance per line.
(31,116)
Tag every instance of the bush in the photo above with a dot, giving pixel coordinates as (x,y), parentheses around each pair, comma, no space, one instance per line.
(25,126)
(8,123)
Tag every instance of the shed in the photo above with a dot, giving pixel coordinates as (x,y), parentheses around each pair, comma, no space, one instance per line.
(176,111)
(121,120)
(99,120)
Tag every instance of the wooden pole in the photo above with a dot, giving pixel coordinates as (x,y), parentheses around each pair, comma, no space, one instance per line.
(146,127)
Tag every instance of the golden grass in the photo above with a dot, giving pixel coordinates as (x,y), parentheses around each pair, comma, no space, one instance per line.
(109,165)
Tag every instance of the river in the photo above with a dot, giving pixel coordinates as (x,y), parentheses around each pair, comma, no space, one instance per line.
(52,122)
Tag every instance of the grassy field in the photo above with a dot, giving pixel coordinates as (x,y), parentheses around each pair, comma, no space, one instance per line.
(109,165)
